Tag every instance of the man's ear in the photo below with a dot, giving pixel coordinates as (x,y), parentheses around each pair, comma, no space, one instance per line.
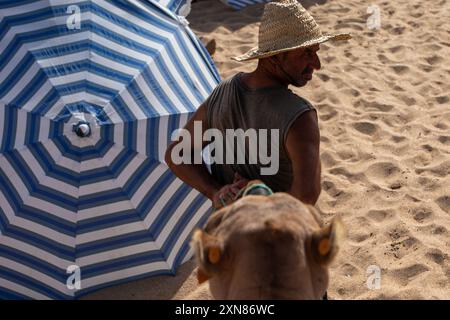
(326,241)
(209,254)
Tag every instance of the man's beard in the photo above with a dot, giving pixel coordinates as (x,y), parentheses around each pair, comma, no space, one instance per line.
(305,76)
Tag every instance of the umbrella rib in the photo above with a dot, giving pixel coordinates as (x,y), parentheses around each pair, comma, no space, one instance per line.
(128,197)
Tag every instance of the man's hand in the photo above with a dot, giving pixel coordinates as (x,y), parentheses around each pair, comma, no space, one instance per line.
(228,193)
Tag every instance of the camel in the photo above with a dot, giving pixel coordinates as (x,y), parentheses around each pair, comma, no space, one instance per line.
(266,247)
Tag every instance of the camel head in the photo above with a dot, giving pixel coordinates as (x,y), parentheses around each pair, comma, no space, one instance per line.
(262,247)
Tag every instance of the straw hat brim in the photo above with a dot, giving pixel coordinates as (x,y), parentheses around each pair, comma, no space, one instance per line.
(256,54)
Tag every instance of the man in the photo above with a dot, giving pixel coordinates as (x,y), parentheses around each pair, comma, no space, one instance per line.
(289,40)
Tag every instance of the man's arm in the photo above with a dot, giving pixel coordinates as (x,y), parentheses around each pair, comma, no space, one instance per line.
(303,147)
(196,175)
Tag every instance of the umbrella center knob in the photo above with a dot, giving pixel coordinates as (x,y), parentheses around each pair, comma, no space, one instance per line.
(82,129)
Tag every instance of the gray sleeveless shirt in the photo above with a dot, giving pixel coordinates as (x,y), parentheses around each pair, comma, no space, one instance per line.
(233,105)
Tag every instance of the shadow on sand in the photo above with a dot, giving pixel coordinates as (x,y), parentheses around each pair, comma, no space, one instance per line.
(230,18)
(151,288)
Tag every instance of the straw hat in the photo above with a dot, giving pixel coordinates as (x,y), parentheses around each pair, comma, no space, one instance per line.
(285,26)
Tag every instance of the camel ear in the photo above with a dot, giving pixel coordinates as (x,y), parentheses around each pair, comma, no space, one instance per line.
(209,253)
(325,242)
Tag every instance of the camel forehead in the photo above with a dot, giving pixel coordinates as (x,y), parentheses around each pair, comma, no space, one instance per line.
(256,213)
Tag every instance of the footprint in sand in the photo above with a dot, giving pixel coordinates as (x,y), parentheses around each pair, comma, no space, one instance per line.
(383,59)
(398,88)
(414,24)
(428,184)
(422,214)
(425,68)
(359,236)
(397,30)
(383,170)
(441,170)
(400,69)
(441,126)
(330,188)
(406,99)
(348,270)
(398,139)
(352,177)
(326,112)
(401,242)
(365,127)
(437,256)
(443,139)
(439,230)
(327,159)
(351,92)
(406,274)
(434,59)
(327,59)
(323,77)
(427,147)
(376,105)
(380,215)
(347,154)
(396,49)
(442,99)
(434,229)
(444,203)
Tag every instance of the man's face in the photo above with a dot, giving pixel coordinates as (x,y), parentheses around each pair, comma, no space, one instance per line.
(300,65)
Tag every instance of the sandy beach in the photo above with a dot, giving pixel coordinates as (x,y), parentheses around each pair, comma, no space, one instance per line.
(383,104)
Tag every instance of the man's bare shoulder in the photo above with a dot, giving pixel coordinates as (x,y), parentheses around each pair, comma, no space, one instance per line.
(305,128)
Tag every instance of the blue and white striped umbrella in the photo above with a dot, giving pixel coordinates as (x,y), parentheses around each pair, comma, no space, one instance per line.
(240,4)
(90,91)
